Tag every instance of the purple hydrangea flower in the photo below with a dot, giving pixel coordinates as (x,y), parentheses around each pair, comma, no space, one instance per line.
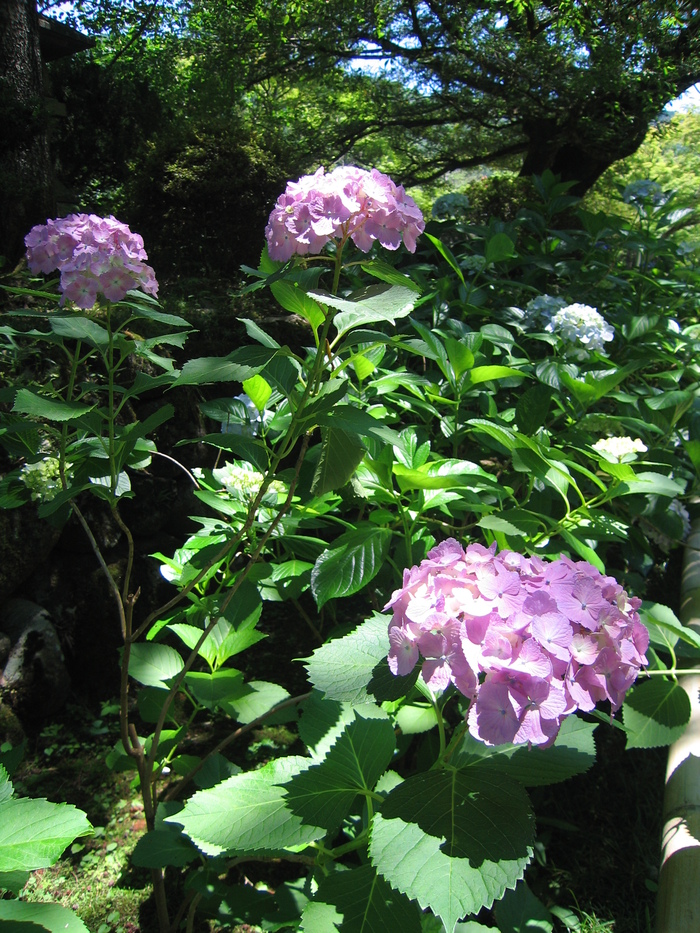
(347,203)
(527,641)
(94,255)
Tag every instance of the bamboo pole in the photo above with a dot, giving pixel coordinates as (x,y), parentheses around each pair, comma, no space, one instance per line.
(678,899)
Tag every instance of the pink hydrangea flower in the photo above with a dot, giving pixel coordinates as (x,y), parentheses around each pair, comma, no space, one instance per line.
(94,255)
(525,640)
(347,203)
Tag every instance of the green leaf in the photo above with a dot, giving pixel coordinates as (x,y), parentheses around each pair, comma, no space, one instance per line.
(386,273)
(355,558)
(29,403)
(34,833)
(372,304)
(358,901)
(453,841)
(415,719)
(247,813)
(519,911)
(153,665)
(21,917)
(297,301)
(350,669)
(664,626)
(655,713)
(76,327)
(162,847)
(651,484)
(236,367)
(460,356)
(213,690)
(446,254)
(499,247)
(324,793)
(258,391)
(532,408)
(340,455)
(572,753)
(260,697)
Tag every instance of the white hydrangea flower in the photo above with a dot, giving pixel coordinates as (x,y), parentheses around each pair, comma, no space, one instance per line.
(582,325)
(43,478)
(617,449)
(544,306)
(243,481)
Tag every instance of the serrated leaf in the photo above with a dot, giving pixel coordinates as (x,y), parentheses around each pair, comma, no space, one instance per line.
(297,301)
(247,813)
(415,863)
(353,669)
(372,304)
(215,689)
(655,712)
(362,902)
(355,558)
(34,833)
(76,327)
(153,664)
(325,792)
(664,626)
(21,917)
(29,403)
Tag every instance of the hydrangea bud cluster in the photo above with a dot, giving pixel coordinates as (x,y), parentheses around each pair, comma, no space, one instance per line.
(43,478)
(619,449)
(94,255)
(243,482)
(582,327)
(348,202)
(526,641)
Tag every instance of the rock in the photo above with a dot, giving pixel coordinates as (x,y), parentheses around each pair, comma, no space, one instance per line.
(34,678)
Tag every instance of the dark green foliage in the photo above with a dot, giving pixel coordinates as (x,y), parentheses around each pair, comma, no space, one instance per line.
(201,199)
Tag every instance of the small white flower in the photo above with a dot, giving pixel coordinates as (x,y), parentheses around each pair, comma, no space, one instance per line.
(617,449)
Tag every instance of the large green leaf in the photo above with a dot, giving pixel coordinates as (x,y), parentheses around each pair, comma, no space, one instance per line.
(355,558)
(260,696)
(76,327)
(247,813)
(212,690)
(341,453)
(236,367)
(572,753)
(325,792)
(353,669)
(37,406)
(153,665)
(372,304)
(162,847)
(34,833)
(453,841)
(519,911)
(359,901)
(655,713)
(21,917)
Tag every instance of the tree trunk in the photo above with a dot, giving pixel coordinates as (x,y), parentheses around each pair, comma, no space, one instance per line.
(26,196)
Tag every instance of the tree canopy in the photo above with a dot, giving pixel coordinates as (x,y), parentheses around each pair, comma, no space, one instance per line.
(567,85)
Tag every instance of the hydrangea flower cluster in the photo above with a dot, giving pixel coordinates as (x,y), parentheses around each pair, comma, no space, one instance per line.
(527,641)
(348,202)
(582,327)
(619,449)
(43,478)
(243,482)
(94,255)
